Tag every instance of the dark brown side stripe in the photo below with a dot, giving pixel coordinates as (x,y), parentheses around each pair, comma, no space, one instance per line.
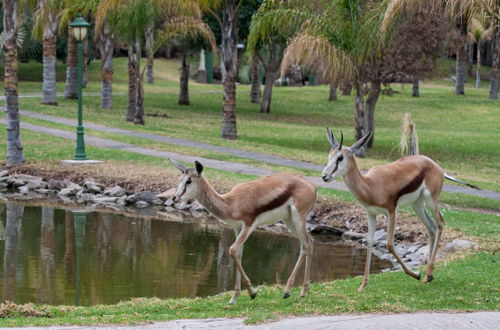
(275,203)
(412,185)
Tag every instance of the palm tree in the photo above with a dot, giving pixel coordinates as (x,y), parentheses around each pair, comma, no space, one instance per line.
(229,54)
(105,40)
(479,33)
(46,27)
(10,29)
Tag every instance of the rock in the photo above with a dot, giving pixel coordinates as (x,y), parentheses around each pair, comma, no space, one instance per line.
(34,185)
(56,184)
(23,190)
(326,230)
(169,209)
(91,186)
(414,247)
(43,191)
(70,191)
(10,180)
(457,245)
(401,250)
(350,235)
(18,183)
(4,179)
(4,173)
(141,204)
(27,178)
(104,200)
(3,185)
(417,257)
(145,196)
(169,202)
(197,207)
(183,205)
(167,194)
(115,191)
(85,197)
(379,235)
(121,201)
(157,201)
(387,256)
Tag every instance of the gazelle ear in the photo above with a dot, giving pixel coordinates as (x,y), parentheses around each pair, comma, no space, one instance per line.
(179,166)
(331,138)
(199,167)
(361,142)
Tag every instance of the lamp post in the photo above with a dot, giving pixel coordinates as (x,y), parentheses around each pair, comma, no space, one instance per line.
(79,27)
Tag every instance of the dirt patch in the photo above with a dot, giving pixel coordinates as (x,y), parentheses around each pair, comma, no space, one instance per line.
(137,177)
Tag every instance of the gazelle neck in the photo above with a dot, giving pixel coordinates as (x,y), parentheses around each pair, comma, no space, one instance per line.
(211,199)
(355,180)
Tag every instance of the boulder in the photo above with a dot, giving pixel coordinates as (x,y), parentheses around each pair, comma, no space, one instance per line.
(69,191)
(27,178)
(115,191)
(4,173)
(23,190)
(352,236)
(56,184)
(169,202)
(167,194)
(18,183)
(3,185)
(326,230)
(457,245)
(145,196)
(140,204)
(379,235)
(104,200)
(91,186)
(34,185)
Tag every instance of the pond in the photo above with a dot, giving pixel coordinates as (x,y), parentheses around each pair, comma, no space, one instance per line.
(56,256)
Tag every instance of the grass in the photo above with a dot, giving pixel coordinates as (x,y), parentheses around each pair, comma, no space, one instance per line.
(459,132)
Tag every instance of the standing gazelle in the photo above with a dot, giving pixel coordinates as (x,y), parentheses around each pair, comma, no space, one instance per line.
(412,180)
(283,197)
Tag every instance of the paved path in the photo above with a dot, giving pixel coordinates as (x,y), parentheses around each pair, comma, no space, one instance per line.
(222,165)
(416,321)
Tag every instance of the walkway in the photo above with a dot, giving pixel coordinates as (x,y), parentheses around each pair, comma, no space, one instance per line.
(217,164)
(415,321)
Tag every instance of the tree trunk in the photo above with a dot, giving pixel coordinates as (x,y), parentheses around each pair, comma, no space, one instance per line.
(150,54)
(478,66)
(371,102)
(184,82)
(49,96)
(14,147)
(495,59)
(47,256)
(254,72)
(71,62)
(460,70)
(271,76)
(85,56)
(415,87)
(359,116)
(469,49)
(12,239)
(229,58)
(132,80)
(106,50)
(139,102)
(333,92)
(346,88)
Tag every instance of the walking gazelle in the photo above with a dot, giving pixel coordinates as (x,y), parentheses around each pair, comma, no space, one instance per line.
(283,197)
(413,180)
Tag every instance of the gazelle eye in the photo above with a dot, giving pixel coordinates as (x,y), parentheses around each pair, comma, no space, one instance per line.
(341,158)
(188,181)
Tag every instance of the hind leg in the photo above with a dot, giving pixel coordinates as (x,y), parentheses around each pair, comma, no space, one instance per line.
(438,219)
(418,207)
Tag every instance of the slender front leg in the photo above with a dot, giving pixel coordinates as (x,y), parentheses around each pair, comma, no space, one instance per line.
(372,223)
(390,245)
(233,251)
(307,271)
(237,283)
(432,258)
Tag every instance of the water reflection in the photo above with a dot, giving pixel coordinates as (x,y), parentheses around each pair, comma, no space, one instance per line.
(65,257)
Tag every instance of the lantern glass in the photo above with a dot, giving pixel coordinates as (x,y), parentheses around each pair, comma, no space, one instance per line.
(80,33)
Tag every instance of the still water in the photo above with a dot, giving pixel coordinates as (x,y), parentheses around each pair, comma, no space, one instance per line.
(56,256)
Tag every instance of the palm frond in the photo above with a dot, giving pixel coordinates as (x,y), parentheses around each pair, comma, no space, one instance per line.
(187,29)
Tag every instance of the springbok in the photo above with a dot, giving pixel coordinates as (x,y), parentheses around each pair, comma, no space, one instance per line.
(283,197)
(415,180)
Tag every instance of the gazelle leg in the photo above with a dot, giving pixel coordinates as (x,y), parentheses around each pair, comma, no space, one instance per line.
(372,222)
(234,250)
(295,225)
(439,222)
(237,283)
(390,245)
(418,207)
(307,272)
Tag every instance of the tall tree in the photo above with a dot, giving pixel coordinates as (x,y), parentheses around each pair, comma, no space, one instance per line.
(105,38)
(15,154)
(46,27)
(254,76)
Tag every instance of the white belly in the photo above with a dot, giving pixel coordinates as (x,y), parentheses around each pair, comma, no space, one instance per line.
(275,215)
(411,197)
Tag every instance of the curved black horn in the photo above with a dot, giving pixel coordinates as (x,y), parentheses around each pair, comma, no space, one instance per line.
(341,140)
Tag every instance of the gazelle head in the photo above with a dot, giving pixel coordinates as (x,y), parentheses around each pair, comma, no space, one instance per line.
(340,155)
(189,183)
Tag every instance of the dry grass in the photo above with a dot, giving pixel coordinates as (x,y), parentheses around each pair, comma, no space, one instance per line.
(10,309)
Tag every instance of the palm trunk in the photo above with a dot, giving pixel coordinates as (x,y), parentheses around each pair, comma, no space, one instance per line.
(359,116)
(139,102)
(106,50)
(49,96)
(254,72)
(469,49)
(47,255)
(229,58)
(371,102)
(460,71)
(333,92)
(346,88)
(184,82)
(150,54)
(12,239)
(71,61)
(415,87)
(132,81)
(271,76)
(14,147)
(495,59)
(478,66)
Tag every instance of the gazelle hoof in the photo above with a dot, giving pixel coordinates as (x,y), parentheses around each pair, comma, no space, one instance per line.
(428,279)
(253,294)
(361,288)
(286,295)
(232,302)
(419,276)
